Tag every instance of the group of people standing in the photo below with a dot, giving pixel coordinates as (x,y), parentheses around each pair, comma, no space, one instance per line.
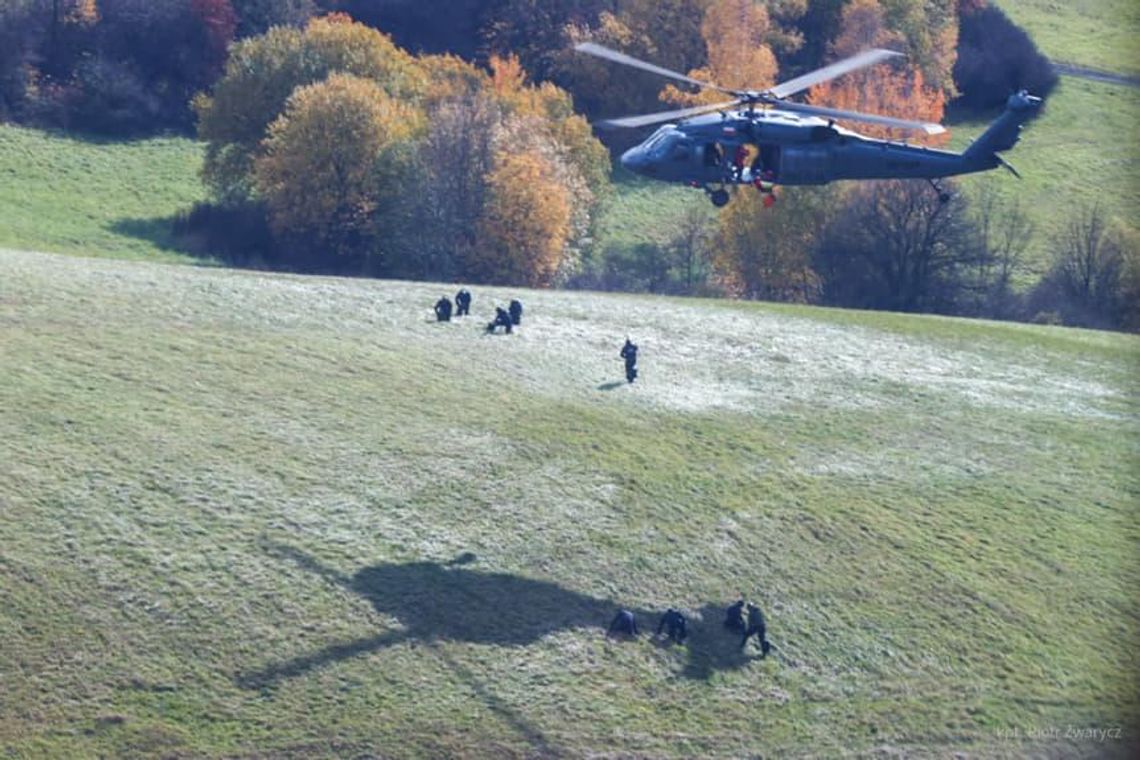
(511,317)
(505,318)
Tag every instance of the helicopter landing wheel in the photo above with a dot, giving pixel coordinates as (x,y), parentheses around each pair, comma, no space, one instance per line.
(719,198)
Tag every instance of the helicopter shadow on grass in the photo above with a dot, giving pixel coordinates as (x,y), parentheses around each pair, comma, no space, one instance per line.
(437,602)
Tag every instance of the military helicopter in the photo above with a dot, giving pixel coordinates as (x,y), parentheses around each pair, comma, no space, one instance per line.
(796,143)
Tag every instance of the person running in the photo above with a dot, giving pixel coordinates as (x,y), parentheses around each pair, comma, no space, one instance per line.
(629,353)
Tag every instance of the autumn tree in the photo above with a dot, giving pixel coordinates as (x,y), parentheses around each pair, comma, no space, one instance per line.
(737,34)
(219,22)
(329,166)
(818,26)
(766,253)
(929,32)
(453,161)
(526,223)
(535,31)
(262,72)
(556,117)
(891,89)
(667,32)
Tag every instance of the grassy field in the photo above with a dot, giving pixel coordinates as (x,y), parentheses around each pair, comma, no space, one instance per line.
(95,198)
(1083,149)
(1102,34)
(247,515)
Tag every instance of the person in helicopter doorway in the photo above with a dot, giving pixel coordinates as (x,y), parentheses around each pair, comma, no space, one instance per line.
(502,318)
(463,303)
(515,310)
(713,154)
(443,310)
(629,353)
(739,158)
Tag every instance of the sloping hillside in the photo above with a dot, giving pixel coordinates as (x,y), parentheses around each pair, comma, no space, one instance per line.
(256,515)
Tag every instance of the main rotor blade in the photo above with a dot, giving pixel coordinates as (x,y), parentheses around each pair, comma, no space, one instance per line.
(835,113)
(600,51)
(660,116)
(859,61)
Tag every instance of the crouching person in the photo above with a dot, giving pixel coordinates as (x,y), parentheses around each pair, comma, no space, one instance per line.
(756,627)
(624,623)
(502,319)
(675,626)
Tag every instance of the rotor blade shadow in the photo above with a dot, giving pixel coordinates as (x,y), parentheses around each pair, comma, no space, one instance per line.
(501,708)
(272,674)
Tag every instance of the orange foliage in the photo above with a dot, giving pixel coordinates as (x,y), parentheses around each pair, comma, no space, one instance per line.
(882,90)
(890,90)
(524,228)
(507,75)
(83,13)
(735,33)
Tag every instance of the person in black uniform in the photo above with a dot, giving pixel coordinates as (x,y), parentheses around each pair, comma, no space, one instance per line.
(443,310)
(462,303)
(515,309)
(734,616)
(624,622)
(756,627)
(502,318)
(629,353)
(674,624)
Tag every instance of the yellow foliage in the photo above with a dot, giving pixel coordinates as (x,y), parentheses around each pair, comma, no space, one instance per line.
(736,34)
(321,160)
(525,226)
(451,77)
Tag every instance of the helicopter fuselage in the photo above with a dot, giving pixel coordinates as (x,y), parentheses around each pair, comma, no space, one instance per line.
(790,149)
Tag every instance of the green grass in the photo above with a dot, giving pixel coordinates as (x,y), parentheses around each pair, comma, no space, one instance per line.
(95,198)
(645,211)
(231,505)
(1083,149)
(1097,33)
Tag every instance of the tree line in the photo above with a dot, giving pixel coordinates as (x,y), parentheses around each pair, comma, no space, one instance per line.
(894,246)
(450,144)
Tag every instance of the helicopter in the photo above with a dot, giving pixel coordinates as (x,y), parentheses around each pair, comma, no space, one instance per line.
(796,143)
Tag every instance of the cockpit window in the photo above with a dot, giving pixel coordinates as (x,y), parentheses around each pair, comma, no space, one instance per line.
(657,138)
(681,150)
